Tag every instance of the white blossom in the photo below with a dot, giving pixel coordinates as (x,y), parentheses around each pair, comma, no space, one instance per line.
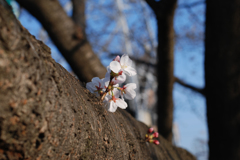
(96,86)
(120,78)
(112,101)
(124,65)
(128,91)
(108,87)
(115,81)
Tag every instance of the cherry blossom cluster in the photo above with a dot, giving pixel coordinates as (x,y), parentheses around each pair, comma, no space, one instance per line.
(151,135)
(109,88)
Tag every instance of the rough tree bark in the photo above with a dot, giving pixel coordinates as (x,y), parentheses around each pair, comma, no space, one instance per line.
(164,11)
(222,78)
(47,114)
(68,36)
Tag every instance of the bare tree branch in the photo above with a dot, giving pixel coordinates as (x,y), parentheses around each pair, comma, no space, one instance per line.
(199,90)
(188,5)
(78,13)
(68,37)
(194,15)
(177,80)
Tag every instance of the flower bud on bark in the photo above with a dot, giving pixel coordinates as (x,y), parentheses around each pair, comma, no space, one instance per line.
(155,135)
(150,130)
(156,142)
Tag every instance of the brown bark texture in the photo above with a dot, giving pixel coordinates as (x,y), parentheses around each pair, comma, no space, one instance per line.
(68,35)
(164,11)
(222,78)
(45,112)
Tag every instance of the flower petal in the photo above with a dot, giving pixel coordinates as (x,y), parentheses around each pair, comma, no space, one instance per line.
(106,80)
(107,75)
(131,86)
(96,80)
(130,94)
(115,66)
(130,71)
(112,107)
(106,84)
(107,98)
(124,60)
(121,103)
(122,96)
(119,79)
(116,92)
(90,87)
(108,70)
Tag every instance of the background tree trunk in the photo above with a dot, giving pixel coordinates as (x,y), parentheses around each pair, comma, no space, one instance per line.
(222,78)
(78,14)
(164,11)
(47,114)
(68,36)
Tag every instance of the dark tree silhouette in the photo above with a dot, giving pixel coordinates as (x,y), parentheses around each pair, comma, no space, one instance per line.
(222,78)
(164,11)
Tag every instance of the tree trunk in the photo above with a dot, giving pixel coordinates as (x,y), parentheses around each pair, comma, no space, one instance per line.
(47,114)
(164,11)
(222,78)
(69,37)
(78,13)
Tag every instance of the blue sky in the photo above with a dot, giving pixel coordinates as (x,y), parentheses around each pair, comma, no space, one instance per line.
(190,107)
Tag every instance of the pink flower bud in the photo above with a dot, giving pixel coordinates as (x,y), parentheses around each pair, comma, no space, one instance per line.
(156,142)
(155,134)
(150,130)
(117,59)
